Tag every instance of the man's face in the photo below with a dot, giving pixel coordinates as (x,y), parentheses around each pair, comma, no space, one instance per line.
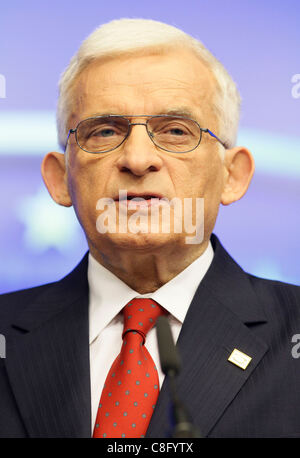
(153,84)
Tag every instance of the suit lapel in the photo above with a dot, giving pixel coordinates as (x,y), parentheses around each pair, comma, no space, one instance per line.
(48,360)
(216,323)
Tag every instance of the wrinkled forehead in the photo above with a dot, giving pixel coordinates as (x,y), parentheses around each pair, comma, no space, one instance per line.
(146,84)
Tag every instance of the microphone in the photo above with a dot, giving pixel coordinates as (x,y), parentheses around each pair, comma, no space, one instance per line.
(171,365)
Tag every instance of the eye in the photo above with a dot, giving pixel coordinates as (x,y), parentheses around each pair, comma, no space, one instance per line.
(174,130)
(177,131)
(103,132)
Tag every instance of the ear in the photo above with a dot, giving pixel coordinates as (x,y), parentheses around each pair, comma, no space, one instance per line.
(55,178)
(239,168)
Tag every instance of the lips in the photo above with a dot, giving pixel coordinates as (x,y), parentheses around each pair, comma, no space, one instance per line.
(137,196)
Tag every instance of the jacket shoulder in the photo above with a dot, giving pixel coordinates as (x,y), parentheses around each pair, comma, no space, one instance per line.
(67,288)
(277,287)
(280,301)
(15,302)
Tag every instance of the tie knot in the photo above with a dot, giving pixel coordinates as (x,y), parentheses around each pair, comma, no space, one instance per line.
(140,315)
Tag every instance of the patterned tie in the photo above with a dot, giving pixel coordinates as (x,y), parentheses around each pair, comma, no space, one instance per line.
(132,386)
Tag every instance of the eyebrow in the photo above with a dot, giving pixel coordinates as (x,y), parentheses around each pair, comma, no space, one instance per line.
(180,111)
(185,112)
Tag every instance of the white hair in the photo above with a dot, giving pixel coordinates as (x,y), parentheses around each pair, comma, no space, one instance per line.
(129,36)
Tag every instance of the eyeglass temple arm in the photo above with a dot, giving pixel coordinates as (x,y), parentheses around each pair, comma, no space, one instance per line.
(71,131)
(213,135)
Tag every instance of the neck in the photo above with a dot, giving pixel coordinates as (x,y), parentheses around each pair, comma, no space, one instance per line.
(144,271)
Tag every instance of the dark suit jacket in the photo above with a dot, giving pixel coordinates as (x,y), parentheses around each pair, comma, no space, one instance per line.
(45,377)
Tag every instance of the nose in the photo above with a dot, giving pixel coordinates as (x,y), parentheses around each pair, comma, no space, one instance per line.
(139,154)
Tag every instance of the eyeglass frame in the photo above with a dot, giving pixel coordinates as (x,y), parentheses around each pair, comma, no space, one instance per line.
(74,131)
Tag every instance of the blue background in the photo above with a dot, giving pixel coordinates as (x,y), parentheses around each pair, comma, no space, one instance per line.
(258,42)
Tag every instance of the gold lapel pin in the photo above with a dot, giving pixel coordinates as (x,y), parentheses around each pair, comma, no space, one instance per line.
(239,358)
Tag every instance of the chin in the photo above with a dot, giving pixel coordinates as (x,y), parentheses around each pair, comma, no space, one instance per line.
(143,242)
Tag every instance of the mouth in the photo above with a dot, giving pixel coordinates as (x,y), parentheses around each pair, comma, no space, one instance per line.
(139,200)
(147,196)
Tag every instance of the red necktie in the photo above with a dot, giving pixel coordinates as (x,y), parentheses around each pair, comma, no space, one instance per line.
(132,386)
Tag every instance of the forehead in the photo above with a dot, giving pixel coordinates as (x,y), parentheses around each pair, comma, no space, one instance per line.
(145,84)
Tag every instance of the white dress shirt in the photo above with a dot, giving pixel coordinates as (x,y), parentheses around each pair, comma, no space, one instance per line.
(107,297)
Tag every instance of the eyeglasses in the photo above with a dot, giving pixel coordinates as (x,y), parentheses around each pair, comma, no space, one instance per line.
(175,134)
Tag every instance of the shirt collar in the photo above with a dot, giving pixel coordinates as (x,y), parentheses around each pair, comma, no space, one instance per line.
(108,294)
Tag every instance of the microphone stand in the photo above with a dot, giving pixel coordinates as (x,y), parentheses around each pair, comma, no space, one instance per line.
(183,426)
(170,365)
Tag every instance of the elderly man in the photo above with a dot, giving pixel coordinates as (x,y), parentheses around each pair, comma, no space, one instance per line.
(147,118)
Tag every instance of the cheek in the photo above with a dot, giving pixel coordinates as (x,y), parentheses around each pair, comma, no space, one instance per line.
(205,176)
(86,180)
